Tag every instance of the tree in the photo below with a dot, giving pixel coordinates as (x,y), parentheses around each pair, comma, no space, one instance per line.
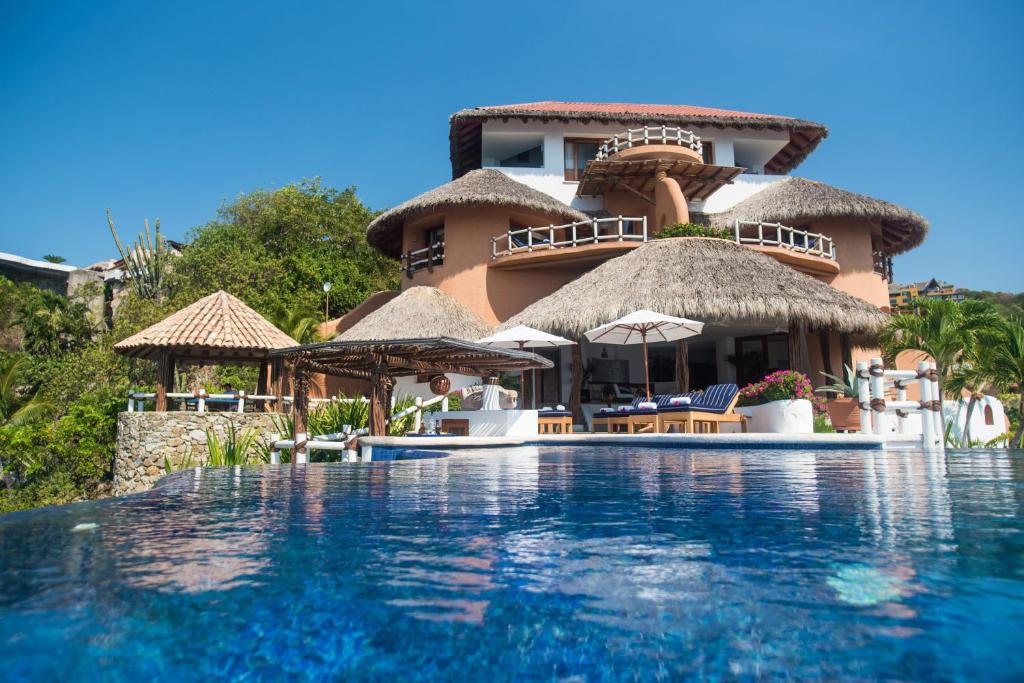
(944,330)
(276,248)
(53,258)
(16,408)
(52,323)
(1005,364)
(302,326)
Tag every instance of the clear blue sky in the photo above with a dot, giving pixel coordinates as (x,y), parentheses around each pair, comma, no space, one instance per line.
(167,109)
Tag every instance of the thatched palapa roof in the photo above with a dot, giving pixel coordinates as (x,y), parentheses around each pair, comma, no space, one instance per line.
(793,200)
(465,126)
(419,312)
(711,280)
(216,325)
(483,187)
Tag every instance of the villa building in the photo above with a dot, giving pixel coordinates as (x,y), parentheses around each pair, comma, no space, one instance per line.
(552,218)
(902,296)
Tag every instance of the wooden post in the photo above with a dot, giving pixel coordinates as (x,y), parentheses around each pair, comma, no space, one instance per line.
(576,382)
(799,357)
(682,366)
(826,351)
(277,382)
(647,371)
(380,390)
(844,349)
(299,409)
(263,384)
(164,380)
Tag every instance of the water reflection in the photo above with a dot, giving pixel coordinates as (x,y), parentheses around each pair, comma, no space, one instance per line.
(628,560)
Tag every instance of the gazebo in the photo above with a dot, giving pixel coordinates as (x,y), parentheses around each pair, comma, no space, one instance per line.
(380,362)
(217,329)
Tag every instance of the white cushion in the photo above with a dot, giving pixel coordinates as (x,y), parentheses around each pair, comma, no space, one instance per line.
(679,401)
(647,405)
(545,408)
(559,407)
(623,409)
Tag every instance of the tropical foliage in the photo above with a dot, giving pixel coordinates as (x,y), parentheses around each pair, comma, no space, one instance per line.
(273,249)
(234,449)
(693,230)
(844,386)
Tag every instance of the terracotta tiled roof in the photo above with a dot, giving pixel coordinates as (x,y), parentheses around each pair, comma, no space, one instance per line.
(465,125)
(218,322)
(633,109)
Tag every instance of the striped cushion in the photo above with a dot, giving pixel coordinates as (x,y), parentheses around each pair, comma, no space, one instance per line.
(716,398)
(554,413)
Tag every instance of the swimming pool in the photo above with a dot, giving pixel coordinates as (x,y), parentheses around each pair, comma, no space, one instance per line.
(595,563)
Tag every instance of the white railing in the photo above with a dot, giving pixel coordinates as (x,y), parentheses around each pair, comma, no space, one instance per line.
(427,257)
(579,233)
(778,235)
(876,411)
(665,135)
(343,440)
(137,399)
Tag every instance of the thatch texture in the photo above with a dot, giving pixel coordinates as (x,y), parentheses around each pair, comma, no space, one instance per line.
(419,312)
(483,187)
(795,200)
(711,280)
(465,125)
(218,324)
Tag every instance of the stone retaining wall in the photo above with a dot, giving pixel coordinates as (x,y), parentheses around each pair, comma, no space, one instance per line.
(146,440)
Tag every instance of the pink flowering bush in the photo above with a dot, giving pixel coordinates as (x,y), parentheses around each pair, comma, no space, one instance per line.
(780,386)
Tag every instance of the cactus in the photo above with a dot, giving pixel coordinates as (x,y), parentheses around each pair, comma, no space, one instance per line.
(146,261)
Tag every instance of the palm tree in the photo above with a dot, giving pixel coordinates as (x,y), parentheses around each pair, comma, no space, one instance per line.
(14,410)
(945,330)
(301,326)
(1005,361)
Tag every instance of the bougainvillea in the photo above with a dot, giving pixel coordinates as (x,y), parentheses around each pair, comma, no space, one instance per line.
(779,386)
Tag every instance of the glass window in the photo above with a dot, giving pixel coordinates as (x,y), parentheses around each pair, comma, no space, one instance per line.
(577,154)
(708,149)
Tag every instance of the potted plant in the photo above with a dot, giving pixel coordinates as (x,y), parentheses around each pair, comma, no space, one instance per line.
(844,410)
(781,403)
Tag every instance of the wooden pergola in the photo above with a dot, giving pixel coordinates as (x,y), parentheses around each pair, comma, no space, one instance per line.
(380,362)
(216,330)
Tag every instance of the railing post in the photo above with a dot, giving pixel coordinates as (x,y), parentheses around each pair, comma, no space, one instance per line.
(444,404)
(864,397)
(924,385)
(778,234)
(645,228)
(901,414)
(201,403)
(241,401)
(275,452)
(940,423)
(878,396)
(620,216)
(574,238)
(131,403)
(737,227)
(494,249)
(760,233)
(529,239)
(551,236)
(417,417)
(509,234)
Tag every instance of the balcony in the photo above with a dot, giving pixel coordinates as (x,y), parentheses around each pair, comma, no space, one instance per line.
(598,239)
(582,242)
(425,258)
(666,139)
(809,252)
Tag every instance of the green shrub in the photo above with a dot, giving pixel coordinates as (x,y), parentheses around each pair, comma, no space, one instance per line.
(694,230)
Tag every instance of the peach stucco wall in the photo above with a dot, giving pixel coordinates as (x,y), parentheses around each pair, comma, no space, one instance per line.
(493,294)
(856,266)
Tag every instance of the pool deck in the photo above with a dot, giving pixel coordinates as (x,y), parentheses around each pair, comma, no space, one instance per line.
(704,441)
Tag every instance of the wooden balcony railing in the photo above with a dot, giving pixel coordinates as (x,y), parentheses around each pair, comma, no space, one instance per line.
(778,235)
(648,135)
(577,234)
(883,265)
(427,257)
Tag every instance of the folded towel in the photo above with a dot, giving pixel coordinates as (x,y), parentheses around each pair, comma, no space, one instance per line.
(623,409)
(545,408)
(679,401)
(647,405)
(559,407)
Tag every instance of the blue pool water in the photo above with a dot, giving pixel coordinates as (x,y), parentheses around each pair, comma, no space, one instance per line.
(551,563)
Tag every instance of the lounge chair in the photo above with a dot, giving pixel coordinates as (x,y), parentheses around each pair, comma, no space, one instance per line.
(707,411)
(640,418)
(615,417)
(554,421)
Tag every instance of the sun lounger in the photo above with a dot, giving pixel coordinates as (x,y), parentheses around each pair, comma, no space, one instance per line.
(612,418)
(554,421)
(706,412)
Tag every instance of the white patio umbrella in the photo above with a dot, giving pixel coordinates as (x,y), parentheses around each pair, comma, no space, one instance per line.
(643,326)
(522,337)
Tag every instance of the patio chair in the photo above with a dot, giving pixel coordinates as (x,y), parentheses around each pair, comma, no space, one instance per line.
(640,418)
(615,417)
(554,421)
(707,411)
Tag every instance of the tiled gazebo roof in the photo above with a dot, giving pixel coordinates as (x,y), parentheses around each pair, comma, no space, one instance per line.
(218,325)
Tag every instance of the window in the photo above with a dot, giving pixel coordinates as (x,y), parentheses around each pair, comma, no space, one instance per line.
(708,148)
(426,257)
(578,151)
(435,240)
(758,356)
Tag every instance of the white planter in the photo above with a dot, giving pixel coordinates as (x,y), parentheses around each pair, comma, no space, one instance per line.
(780,417)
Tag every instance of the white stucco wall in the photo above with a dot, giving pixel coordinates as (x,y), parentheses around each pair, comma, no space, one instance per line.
(550,178)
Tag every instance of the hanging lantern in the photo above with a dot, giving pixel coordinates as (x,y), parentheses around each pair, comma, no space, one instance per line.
(440,385)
